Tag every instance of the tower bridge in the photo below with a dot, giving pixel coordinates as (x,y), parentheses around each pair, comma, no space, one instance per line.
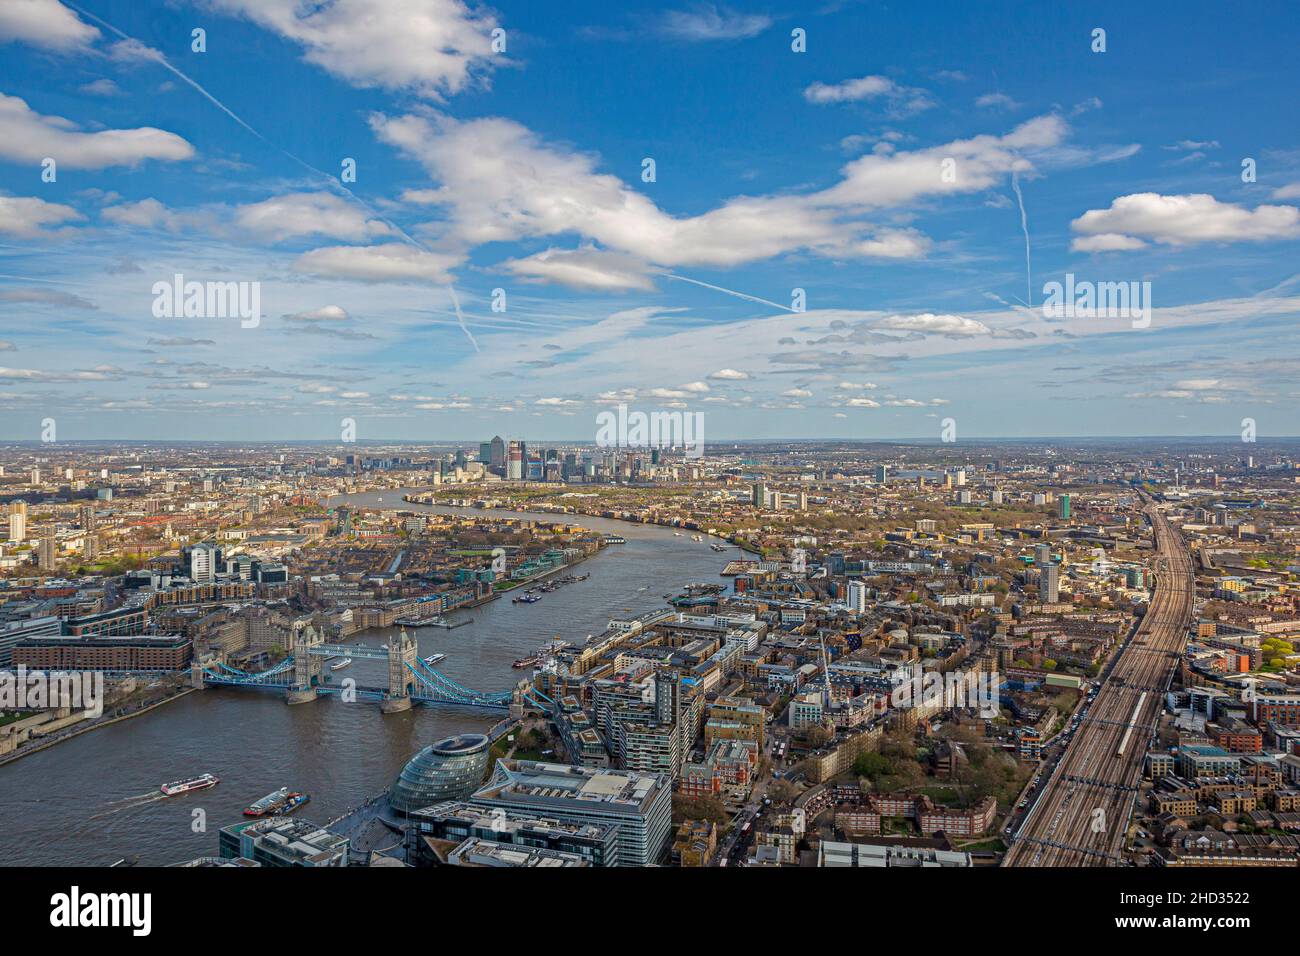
(302,677)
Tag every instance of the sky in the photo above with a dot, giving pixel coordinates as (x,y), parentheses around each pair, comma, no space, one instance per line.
(802,220)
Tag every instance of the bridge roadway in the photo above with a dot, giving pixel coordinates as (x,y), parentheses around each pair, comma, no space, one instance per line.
(1081,817)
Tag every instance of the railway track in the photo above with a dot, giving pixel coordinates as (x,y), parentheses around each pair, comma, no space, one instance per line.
(1081,816)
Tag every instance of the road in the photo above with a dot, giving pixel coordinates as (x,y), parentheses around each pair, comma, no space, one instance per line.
(1081,816)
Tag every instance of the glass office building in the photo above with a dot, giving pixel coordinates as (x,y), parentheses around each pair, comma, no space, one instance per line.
(450,769)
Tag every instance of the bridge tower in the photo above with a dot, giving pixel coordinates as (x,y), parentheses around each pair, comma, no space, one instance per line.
(306,667)
(196,671)
(402,655)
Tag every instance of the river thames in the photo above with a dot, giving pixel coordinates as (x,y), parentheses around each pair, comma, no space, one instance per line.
(92,800)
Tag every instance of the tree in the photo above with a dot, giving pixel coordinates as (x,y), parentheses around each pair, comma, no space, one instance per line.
(698,808)
(873,765)
(782,791)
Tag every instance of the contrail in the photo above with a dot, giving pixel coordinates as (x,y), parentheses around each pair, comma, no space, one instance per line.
(455,300)
(158,57)
(1024,225)
(718,288)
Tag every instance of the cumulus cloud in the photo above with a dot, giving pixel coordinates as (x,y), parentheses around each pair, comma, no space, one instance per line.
(26,217)
(863,88)
(936,324)
(429,47)
(391,262)
(145,214)
(307,214)
(1106,242)
(902,100)
(44,23)
(29,137)
(586,268)
(1187,219)
(499,182)
(729,375)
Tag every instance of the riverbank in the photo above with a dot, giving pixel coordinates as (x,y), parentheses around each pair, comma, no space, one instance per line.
(88,726)
(543,509)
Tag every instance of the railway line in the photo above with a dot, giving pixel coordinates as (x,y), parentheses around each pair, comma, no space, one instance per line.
(1081,816)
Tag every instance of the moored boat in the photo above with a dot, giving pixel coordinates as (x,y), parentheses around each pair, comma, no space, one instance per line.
(268,804)
(291,803)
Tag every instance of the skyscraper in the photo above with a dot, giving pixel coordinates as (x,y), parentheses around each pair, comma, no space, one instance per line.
(1063,507)
(203,562)
(46,552)
(759,499)
(497,455)
(18,521)
(857,601)
(1049,584)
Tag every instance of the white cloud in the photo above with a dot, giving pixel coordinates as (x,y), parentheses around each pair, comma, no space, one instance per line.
(729,375)
(997,101)
(26,217)
(308,214)
(429,47)
(709,22)
(29,137)
(44,23)
(1106,242)
(902,100)
(584,268)
(500,182)
(1187,219)
(329,313)
(1289,191)
(391,262)
(863,88)
(937,324)
(888,180)
(892,244)
(101,87)
(145,214)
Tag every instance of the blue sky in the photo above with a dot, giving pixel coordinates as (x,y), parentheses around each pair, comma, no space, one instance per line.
(521,170)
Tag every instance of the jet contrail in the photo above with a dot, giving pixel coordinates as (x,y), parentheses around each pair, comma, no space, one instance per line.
(158,57)
(1024,224)
(455,300)
(718,288)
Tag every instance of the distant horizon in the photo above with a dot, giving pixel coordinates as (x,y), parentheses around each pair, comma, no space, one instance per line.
(918,442)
